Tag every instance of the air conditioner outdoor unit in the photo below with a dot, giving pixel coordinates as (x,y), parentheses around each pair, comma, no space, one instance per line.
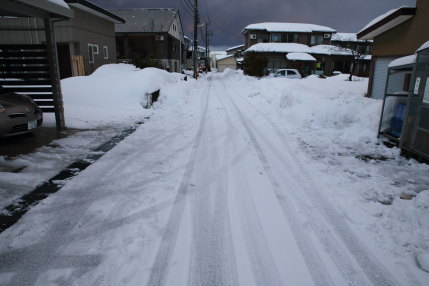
(327,36)
(160,38)
(253,37)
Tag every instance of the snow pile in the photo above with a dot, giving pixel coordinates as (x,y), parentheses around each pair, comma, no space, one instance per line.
(113,93)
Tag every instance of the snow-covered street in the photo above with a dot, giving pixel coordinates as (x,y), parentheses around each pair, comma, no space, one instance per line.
(235,181)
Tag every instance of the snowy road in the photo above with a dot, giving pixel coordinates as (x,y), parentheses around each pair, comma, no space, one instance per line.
(213,194)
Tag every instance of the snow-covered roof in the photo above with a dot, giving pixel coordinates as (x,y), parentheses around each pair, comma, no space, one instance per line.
(224,57)
(330,50)
(408,60)
(300,57)
(385,22)
(53,8)
(233,48)
(289,27)
(424,46)
(200,49)
(345,37)
(279,48)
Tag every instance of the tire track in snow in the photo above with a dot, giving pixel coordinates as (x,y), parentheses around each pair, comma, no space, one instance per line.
(213,260)
(309,252)
(262,261)
(160,266)
(374,271)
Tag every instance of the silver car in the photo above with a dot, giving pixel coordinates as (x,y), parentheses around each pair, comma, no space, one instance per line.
(19,114)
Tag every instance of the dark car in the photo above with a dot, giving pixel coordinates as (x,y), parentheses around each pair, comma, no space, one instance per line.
(19,114)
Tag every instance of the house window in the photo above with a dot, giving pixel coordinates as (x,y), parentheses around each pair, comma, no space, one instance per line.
(96,49)
(292,38)
(316,40)
(276,37)
(91,53)
(105,52)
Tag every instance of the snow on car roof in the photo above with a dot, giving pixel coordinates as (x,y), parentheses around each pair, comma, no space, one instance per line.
(289,27)
(300,57)
(279,48)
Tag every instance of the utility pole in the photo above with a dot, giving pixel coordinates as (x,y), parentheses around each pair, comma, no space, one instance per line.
(194,54)
(207,49)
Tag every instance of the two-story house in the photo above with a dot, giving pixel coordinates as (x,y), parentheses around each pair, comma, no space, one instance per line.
(307,34)
(154,34)
(286,45)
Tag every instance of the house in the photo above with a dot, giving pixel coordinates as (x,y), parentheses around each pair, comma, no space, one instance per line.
(226,62)
(277,40)
(154,34)
(84,42)
(201,57)
(397,33)
(236,51)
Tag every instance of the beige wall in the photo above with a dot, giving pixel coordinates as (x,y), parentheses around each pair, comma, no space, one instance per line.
(407,37)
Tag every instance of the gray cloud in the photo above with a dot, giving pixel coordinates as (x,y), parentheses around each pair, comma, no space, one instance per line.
(229,17)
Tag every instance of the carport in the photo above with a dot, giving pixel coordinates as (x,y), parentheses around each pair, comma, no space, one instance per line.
(33,69)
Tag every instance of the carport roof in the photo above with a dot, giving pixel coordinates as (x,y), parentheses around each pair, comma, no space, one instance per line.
(31,8)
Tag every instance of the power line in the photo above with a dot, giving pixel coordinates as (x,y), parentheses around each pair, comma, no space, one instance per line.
(225,31)
(186,8)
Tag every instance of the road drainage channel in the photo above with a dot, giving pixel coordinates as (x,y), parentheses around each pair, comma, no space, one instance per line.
(13,212)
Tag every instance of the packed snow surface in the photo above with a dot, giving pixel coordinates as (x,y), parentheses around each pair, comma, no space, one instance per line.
(233,180)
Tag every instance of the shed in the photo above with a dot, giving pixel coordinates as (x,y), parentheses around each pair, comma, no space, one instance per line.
(415,139)
(405,113)
(227,62)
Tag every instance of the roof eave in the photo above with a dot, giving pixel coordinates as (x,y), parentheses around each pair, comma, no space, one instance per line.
(97,10)
(399,16)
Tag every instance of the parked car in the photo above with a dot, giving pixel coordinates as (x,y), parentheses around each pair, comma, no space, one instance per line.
(288,73)
(19,114)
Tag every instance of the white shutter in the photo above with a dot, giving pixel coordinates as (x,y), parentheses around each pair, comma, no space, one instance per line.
(379,77)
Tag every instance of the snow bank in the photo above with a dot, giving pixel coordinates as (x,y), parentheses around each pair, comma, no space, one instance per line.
(113,93)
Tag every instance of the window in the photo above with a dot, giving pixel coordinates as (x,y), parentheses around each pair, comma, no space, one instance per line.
(291,72)
(91,53)
(276,37)
(105,52)
(96,49)
(316,40)
(292,38)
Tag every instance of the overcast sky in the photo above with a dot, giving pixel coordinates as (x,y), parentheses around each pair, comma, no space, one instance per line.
(229,17)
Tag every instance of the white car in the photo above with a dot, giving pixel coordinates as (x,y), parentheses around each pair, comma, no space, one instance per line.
(288,73)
